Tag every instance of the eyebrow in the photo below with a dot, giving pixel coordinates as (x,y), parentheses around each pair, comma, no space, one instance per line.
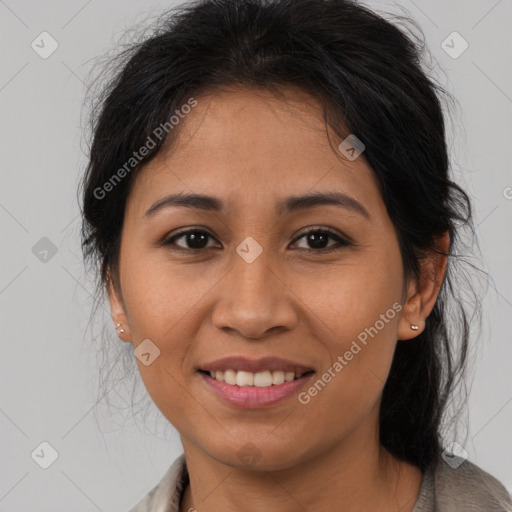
(287,205)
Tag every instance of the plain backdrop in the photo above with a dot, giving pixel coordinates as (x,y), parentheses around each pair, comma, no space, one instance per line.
(48,375)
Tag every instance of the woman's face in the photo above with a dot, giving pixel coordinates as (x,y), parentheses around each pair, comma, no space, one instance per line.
(249,285)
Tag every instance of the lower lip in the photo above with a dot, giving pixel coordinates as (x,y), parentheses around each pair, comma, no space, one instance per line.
(254,397)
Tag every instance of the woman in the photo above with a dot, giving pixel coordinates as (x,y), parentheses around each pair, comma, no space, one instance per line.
(269,202)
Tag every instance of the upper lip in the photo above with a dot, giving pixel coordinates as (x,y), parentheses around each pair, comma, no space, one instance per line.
(255,365)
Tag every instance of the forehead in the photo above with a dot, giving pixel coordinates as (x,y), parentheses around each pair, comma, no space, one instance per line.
(253,146)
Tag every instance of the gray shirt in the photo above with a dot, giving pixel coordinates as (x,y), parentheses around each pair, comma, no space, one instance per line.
(444,489)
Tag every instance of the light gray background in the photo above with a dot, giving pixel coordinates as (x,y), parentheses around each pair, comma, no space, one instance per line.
(49,379)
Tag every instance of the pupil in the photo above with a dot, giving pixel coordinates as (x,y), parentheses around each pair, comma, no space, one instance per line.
(317,240)
(197,236)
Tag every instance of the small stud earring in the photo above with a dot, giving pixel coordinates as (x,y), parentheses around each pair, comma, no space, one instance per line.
(121,331)
(414,327)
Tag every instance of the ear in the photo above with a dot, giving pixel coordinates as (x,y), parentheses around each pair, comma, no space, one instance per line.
(117,308)
(422,293)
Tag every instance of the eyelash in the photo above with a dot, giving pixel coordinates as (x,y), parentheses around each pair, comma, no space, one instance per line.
(341,241)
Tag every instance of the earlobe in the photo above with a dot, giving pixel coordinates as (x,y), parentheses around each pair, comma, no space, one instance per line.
(411,315)
(422,293)
(117,310)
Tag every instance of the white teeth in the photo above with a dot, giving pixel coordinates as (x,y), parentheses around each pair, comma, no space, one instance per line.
(277,377)
(263,379)
(289,376)
(230,377)
(245,379)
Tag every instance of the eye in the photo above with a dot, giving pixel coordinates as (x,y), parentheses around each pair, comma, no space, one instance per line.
(195,239)
(318,237)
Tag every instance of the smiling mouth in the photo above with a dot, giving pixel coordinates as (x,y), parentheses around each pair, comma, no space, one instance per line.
(263,379)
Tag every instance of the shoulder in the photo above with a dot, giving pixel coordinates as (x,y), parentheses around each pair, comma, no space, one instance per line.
(166,495)
(466,487)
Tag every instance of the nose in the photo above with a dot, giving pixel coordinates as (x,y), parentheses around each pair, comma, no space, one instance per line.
(254,300)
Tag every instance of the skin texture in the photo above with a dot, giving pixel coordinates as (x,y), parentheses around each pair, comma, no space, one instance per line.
(251,149)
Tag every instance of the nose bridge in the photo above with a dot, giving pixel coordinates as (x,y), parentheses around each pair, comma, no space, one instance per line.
(252,279)
(252,301)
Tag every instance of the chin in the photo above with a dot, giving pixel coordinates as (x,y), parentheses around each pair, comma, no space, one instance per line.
(257,454)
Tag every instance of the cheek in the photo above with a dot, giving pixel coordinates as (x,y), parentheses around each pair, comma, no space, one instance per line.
(359,318)
(159,304)
(158,295)
(348,388)
(354,295)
